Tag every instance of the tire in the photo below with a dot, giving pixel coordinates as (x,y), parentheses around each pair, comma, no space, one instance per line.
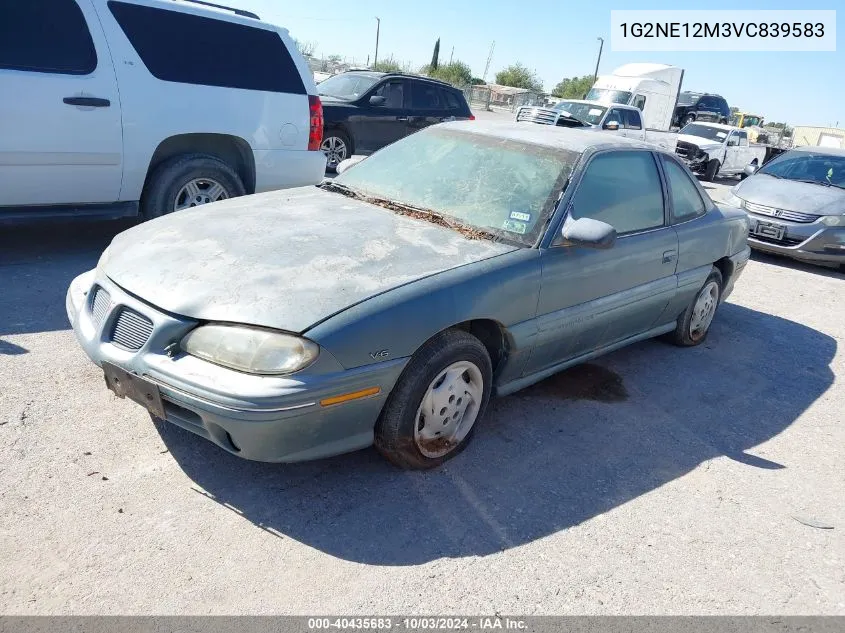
(712,170)
(690,118)
(167,187)
(336,146)
(723,121)
(404,434)
(687,336)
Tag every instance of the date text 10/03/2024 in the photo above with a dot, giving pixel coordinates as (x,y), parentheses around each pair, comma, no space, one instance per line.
(722,29)
(418,623)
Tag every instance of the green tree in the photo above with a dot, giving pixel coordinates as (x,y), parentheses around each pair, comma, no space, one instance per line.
(388,65)
(457,73)
(477,81)
(573,87)
(435,56)
(519,76)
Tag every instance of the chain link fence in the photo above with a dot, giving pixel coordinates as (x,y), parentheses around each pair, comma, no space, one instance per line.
(502,98)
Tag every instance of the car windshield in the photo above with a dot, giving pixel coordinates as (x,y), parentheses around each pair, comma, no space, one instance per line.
(688,98)
(584,112)
(606,95)
(822,169)
(348,86)
(705,131)
(503,188)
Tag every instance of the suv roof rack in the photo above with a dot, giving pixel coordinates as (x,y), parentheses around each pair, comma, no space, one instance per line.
(416,76)
(241,12)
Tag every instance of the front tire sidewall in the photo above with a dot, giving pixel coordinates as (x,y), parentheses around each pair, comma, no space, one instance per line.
(394,434)
(681,335)
(712,170)
(332,167)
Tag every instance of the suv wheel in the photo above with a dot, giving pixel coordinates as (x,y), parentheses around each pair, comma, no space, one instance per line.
(337,147)
(688,119)
(189,181)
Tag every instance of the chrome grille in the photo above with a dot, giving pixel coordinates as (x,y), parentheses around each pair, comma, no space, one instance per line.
(792,216)
(100,305)
(537,115)
(131,330)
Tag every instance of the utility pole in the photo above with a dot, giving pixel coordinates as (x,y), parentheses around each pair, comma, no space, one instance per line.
(601,45)
(487,66)
(450,55)
(378,28)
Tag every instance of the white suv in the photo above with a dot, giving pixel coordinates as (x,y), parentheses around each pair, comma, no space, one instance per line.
(117,107)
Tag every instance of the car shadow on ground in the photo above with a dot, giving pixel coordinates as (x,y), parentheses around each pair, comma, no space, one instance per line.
(550,457)
(37,264)
(794,264)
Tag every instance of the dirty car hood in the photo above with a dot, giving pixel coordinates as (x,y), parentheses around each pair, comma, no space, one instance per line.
(285,259)
(792,195)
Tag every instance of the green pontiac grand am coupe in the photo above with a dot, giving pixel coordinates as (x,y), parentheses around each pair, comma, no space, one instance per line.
(468,260)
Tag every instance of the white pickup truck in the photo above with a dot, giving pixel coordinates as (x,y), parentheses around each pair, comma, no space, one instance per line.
(624,120)
(712,148)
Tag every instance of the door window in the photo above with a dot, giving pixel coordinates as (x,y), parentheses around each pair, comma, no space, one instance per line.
(623,189)
(393,93)
(633,120)
(743,139)
(614,116)
(686,201)
(426,96)
(219,53)
(46,36)
(639,102)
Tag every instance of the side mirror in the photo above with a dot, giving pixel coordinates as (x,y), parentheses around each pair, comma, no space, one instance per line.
(588,233)
(611,126)
(750,170)
(377,100)
(343,165)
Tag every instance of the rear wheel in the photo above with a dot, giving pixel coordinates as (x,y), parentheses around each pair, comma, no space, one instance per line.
(690,118)
(694,324)
(189,181)
(337,148)
(435,406)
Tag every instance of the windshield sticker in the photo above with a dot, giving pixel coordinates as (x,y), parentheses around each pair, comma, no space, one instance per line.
(594,112)
(720,135)
(515,226)
(518,215)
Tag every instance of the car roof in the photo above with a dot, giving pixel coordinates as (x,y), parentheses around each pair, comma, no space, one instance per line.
(599,104)
(380,75)
(816,149)
(571,139)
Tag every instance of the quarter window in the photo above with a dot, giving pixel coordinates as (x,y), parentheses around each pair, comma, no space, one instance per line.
(623,189)
(193,49)
(743,139)
(45,36)
(451,100)
(686,201)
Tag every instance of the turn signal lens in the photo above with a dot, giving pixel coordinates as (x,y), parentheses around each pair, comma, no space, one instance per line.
(355,395)
(315,134)
(833,220)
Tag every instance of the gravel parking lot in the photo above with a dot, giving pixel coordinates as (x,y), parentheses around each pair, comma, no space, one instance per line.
(655,480)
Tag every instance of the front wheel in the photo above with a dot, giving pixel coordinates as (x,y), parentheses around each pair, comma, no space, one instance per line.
(711,170)
(694,324)
(435,406)
(690,118)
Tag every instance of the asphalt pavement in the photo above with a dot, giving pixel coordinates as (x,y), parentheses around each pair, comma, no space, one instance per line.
(656,480)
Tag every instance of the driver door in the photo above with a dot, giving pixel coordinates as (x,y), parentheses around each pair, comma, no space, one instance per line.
(378,125)
(592,298)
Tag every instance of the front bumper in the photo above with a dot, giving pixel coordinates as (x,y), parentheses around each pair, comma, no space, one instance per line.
(812,242)
(263,418)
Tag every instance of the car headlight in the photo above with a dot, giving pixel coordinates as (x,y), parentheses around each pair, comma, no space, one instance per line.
(250,349)
(833,220)
(734,200)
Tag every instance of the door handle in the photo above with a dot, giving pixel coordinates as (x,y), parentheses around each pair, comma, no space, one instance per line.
(91,102)
(401,118)
(669,256)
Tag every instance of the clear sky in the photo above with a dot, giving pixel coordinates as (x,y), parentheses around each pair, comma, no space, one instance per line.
(558,39)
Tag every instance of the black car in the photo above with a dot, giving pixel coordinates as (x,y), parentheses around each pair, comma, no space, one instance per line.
(365,110)
(697,106)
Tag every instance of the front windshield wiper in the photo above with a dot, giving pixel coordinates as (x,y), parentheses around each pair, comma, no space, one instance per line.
(331,185)
(824,183)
